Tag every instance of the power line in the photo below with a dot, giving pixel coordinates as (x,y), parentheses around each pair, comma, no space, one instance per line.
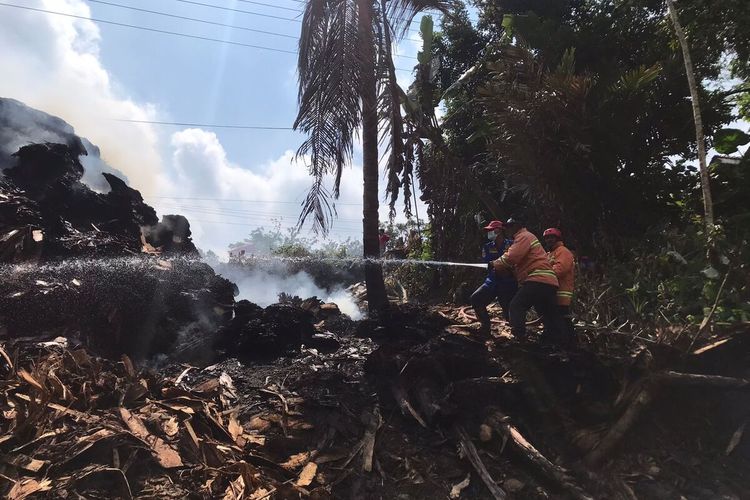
(252,13)
(204,21)
(230,9)
(245,200)
(202,125)
(269,5)
(439,14)
(248,215)
(185,18)
(220,7)
(331,230)
(154,30)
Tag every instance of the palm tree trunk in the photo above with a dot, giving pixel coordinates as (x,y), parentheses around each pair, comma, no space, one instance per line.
(376,296)
(708,207)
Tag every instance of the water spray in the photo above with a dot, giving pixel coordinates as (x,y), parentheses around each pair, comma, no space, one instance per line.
(357,261)
(438,263)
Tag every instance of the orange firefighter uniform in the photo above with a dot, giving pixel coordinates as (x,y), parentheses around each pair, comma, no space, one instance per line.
(537,284)
(563,263)
(528,260)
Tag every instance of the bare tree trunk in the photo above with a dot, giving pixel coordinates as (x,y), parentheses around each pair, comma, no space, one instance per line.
(708,207)
(376,295)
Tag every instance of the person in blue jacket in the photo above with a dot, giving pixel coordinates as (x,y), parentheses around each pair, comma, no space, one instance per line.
(496,286)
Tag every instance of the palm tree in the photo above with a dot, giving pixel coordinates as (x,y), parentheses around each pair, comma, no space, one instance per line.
(346,80)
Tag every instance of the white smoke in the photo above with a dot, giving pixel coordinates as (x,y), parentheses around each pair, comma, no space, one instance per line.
(21,125)
(263,286)
(58,69)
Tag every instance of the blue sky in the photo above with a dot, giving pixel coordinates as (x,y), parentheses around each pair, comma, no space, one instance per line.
(88,72)
(208,82)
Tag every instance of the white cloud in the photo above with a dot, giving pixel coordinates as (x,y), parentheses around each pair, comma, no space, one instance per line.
(52,63)
(201,179)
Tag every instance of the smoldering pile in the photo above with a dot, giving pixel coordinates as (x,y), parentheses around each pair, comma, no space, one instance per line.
(47,213)
(98,267)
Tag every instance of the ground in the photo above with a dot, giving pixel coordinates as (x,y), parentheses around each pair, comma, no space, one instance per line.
(394,407)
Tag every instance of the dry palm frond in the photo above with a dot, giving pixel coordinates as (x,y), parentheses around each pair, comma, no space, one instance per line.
(389,114)
(330,70)
(333,68)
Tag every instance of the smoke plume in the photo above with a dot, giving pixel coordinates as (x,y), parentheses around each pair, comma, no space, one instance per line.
(21,125)
(262,286)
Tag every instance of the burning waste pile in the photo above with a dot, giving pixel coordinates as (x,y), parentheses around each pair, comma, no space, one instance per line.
(101,268)
(129,369)
(84,263)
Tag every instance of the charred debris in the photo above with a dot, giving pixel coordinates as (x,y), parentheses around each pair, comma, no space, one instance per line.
(127,370)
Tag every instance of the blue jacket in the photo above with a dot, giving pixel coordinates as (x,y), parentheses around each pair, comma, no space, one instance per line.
(491,251)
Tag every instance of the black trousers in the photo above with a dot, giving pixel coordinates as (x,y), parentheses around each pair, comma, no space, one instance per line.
(566,325)
(543,298)
(503,292)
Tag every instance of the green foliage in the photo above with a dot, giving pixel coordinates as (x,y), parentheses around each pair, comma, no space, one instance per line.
(426,32)
(507,25)
(573,114)
(719,28)
(743,105)
(664,282)
(635,80)
(291,243)
(728,140)
(730,182)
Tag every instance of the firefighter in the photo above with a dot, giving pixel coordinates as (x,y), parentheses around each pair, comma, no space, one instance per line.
(498,285)
(563,263)
(537,283)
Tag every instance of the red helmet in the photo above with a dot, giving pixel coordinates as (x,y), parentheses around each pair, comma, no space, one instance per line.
(495,224)
(553,231)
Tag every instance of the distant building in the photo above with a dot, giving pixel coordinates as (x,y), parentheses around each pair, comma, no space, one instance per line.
(242,251)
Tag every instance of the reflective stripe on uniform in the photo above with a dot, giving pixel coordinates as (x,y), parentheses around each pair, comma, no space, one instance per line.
(535,243)
(542,272)
(564,294)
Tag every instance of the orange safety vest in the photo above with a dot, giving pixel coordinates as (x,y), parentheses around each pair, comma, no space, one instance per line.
(528,259)
(563,263)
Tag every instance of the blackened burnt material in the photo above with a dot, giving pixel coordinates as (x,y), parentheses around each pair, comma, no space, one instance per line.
(43,191)
(172,235)
(95,283)
(257,333)
(139,306)
(75,221)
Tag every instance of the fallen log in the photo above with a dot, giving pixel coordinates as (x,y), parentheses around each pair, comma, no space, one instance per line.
(374,421)
(644,393)
(399,393)
(533,457)
(693,380)
(470,452)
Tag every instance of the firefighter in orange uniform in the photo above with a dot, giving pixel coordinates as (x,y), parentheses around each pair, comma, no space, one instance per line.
(537,282)
(563,263)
